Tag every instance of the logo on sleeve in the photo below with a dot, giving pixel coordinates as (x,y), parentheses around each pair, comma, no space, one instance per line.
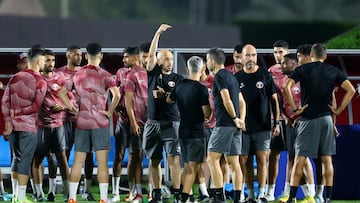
(242,85)
(296,90)
(260,85)
(55,87)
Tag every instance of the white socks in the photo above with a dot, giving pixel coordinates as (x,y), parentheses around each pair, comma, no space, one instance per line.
(103,191)
(72,190)
(203,189)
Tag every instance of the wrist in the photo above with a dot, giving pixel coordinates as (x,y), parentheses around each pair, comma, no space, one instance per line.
(233,118)
(276,122)
(295,110)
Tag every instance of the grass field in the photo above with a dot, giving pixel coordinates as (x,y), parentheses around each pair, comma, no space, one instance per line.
(95,191)
(59,198)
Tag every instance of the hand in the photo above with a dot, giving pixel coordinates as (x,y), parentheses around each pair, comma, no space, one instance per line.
(163,28)
(73,110)
(8,128)
(135,129)
(336,132)
(275,130)
(159,93)
(105,113)
(240,123)
(334,110)
(57,108)
(12,113)
(301,109)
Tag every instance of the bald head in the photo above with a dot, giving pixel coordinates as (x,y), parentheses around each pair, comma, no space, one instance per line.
(165,60)
(249,56)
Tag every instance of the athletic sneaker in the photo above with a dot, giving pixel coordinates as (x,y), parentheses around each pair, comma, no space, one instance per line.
(88,196)
(319,199)
(72,200)
(307,199)
(129,197)
(41,199)
(51,197)
(26,200)
(115,198)
(137,199)
(284,198)
(204,199)
(262,200)
(270,197)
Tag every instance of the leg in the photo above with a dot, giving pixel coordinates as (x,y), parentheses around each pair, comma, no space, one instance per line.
(261,159)
(75,173)
(328,175)
(64,171)
(213,161)
(103,173)
(237,176)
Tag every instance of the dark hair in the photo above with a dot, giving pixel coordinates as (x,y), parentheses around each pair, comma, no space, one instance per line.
(35,51)
(93,48)
(281,43)
(304,49)
(132,50)
(217,54)
(144,47)
(238,48)
(49,52)
(319,50)
(73,47)
(291,56)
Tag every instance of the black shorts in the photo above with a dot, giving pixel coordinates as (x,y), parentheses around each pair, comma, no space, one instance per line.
(98,139)
(193,149)
(157,136)
(51,140)
(122,134)
(69,130)
(23,148)
(278,143)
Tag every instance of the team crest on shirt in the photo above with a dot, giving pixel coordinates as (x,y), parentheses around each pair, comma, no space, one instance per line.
(171,84)
(259,84)
(296,90)
(55,87)
(242,85)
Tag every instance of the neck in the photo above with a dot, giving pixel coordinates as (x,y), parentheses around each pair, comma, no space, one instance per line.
(195,76)
(35,68)
(47,74)
(317,60)
(165,72)
(70,66)
(95,63)
(251,70)
(218,67)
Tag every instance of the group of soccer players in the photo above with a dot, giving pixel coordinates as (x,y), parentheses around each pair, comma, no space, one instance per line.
(216,116)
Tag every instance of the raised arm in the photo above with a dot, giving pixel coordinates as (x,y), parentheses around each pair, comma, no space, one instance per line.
(154,46)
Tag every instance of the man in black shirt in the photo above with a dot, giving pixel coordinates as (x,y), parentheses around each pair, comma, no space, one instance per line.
(258,88)
(161,128)
(230,109)
(193,101)
(315,131)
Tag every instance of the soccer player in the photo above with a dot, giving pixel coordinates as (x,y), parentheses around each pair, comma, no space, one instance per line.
(316,122)
(21,103)
(92,84)
(193,101)
(230,109)
(259,92)
(237,57)
(161,128)
(53,136)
